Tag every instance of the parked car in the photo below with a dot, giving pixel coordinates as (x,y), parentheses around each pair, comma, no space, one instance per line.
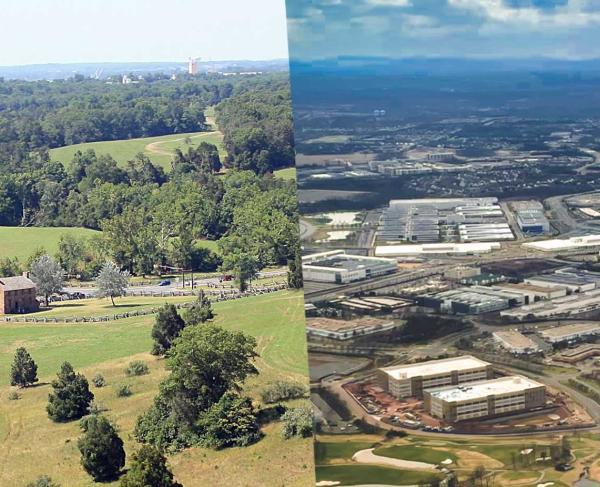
(166,282)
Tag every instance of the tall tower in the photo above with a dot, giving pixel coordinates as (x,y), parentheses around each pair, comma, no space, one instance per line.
(193,66)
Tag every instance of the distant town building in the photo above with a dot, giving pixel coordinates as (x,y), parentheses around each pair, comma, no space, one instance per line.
(585,243)
(440,157)
(193,66)
(17,295)
(494,397)
(411,380)
(462,272)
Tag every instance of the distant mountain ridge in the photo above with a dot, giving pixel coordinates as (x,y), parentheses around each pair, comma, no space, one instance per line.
(374,65)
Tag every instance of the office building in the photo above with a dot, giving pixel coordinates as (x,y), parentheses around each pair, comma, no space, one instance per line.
(411,380)
(511,394)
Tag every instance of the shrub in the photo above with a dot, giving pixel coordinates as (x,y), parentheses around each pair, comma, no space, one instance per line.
(149,468)
(137,367)
(14,396)
(282,391)
(99,381)
(124,390)
(23,372)
(297,422)
(102,453)
(43,481)
(71,396)
(229,422)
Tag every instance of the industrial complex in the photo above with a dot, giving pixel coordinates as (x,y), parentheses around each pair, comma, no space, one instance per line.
(339,267)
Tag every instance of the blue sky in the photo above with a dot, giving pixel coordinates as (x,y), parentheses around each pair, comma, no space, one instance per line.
(562,29)
(45,31)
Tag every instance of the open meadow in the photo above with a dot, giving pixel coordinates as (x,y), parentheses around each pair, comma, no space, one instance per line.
(276,320)
(21,242)
(160,149)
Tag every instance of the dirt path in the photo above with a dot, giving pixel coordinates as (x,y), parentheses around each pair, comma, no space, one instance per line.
(367,456)
(154,147)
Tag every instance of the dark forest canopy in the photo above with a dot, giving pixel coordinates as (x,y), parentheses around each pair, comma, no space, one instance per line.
(39,115)
(150,217)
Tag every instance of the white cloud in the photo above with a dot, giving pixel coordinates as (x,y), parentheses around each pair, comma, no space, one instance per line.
(575,13)
(390,3)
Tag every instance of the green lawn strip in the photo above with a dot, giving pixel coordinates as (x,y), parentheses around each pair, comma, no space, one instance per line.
(367,474)
(328,451)
(415,454)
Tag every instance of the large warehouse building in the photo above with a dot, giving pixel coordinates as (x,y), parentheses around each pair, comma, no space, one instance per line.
(587,243)
(515,342)
(485,398)
(570,333)
(431,220)
(411,380)
(530,217)
(338,267)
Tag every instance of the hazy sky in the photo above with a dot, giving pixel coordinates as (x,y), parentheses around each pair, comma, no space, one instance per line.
(58,31)
(567,29)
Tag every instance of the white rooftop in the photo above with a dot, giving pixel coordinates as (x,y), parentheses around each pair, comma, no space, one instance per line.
(480,390)
(434,367)
(565,244)
(435,248)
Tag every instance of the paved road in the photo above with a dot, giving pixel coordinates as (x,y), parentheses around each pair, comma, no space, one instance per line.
(306,229)
(174,286)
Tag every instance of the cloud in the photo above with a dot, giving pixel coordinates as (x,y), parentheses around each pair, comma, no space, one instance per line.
(575,13)
(390,3)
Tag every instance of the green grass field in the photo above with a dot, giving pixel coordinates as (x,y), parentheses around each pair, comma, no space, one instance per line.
(276,320)
(336,451)
(159,149)
(366,474)
(287,173)
(415,453)
(21,242)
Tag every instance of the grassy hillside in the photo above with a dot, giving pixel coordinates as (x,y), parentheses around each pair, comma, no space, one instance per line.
(159,149)
(22,242)
(276,320)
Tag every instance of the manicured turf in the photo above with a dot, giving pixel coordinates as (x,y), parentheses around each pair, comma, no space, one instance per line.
(31,445)
(415,453)
(21,242)
(329,451)
(159,149)
(366,474)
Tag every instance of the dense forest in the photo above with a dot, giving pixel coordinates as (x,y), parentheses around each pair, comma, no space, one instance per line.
(150,216)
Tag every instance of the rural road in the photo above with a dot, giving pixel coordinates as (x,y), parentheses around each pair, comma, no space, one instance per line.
(174,286)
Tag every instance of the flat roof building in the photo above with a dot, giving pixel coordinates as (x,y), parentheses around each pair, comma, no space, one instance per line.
(436,249)
(411,380)
(572,304)
(570,333)
(530,217)
(511,394)
(515,342)
(347,329)
(471,300)
(585,243)
(338,267)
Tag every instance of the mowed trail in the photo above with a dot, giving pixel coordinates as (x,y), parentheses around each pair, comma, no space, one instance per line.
(155,147)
